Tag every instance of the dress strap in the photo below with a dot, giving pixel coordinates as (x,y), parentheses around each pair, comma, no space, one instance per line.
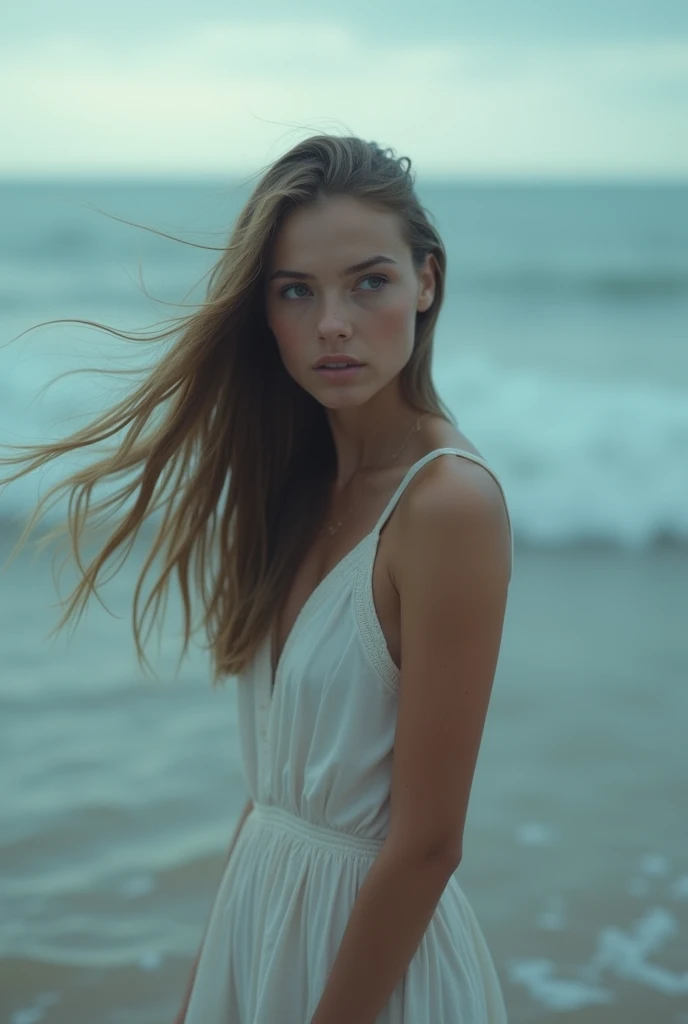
(419,465)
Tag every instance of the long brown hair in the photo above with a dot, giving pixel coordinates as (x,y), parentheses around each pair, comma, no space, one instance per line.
(240,457)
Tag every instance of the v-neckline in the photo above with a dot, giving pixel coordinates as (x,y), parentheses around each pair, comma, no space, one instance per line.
(317,590)
(327,579)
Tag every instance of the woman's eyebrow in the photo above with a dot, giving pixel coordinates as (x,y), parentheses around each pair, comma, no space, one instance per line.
(349,270)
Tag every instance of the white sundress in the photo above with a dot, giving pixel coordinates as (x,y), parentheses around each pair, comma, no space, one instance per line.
(317,758)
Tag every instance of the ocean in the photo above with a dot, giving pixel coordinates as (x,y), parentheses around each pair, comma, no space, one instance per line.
(562,349)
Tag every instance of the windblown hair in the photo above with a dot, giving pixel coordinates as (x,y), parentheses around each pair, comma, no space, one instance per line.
(240,457)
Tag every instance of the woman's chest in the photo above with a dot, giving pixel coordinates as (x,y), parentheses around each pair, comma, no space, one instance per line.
(315,570)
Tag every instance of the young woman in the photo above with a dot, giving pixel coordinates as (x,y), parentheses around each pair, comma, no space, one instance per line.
(356,589)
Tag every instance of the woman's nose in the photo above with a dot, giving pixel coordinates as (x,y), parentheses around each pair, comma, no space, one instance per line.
(333,316)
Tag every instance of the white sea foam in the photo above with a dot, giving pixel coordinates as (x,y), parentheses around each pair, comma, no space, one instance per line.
(624,954)
(574,464)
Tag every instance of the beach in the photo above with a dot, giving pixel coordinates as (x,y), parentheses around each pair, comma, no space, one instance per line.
(561,351)
(120,794)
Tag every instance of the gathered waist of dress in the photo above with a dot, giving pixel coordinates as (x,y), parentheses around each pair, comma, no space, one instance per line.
(319,835)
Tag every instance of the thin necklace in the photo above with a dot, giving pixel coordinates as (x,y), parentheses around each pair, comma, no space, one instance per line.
(333,529)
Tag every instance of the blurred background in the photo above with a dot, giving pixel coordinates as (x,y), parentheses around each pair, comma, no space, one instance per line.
(550,143)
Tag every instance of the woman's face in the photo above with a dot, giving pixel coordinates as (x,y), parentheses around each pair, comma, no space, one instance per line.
(323,308)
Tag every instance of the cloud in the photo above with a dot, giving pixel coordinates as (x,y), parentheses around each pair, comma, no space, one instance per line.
(221,98)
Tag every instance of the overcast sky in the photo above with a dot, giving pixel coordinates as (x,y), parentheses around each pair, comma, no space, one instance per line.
(512,88)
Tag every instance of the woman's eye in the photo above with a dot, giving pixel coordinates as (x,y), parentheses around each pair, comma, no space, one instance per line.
(376,277)
(370,277)
(290,286)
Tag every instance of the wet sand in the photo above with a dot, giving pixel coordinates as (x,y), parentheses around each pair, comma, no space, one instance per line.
(119,795)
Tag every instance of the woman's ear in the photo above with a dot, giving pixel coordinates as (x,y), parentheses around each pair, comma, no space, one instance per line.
(426,295)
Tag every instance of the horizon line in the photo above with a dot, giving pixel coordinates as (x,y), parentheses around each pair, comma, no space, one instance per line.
(459,177)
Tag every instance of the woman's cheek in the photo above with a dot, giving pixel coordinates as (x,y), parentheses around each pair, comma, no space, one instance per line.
(289,347)
(393,323)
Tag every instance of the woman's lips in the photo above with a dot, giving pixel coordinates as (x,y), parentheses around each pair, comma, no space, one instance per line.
(343,374)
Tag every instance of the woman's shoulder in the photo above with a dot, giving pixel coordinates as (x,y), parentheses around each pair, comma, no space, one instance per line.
(439,479)
(445,485)
(441,434)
